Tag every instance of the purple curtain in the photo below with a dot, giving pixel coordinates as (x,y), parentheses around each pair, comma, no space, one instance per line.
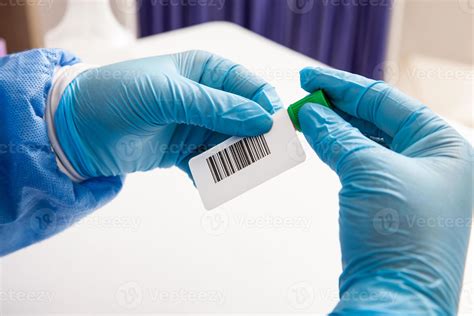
(349,35)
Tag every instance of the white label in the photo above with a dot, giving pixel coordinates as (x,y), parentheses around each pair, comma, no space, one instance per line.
(240,164)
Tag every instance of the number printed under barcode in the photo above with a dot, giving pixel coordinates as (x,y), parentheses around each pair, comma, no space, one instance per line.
(237,157)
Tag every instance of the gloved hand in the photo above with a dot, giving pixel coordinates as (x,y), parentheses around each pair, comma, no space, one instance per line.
(406,200)
(158,112)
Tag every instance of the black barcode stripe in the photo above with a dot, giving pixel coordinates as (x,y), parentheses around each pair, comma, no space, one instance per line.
(249,149)
(238,165)
(240,154)
(237,157)
(224,163)
(231,164)
(214,168)
(211,167)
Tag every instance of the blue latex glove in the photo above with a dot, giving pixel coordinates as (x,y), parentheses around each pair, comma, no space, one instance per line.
(405,205)
(159,112)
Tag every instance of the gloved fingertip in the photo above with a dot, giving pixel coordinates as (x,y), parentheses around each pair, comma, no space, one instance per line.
(312,113)
(269,100)
(316,121)
(257,125)
(309,78)
(306,74)
(245,120)
(330,135)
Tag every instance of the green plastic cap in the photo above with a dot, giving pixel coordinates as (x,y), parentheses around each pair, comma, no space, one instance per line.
(317,97)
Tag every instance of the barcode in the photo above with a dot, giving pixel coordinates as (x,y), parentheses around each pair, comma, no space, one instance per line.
(237,157)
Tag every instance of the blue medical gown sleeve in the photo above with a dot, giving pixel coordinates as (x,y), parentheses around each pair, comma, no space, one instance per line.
(36,199)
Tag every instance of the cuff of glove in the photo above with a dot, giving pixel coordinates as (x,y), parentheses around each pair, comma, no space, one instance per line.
(62,78)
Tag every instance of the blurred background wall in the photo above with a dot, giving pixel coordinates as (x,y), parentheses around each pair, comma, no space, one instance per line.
(349,35)
(24,23)
(430,55)
(123,10)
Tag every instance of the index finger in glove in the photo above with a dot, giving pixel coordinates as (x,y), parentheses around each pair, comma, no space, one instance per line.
(374,101)
(222,74)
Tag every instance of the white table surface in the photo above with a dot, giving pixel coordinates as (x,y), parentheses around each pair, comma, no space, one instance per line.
(154,249)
